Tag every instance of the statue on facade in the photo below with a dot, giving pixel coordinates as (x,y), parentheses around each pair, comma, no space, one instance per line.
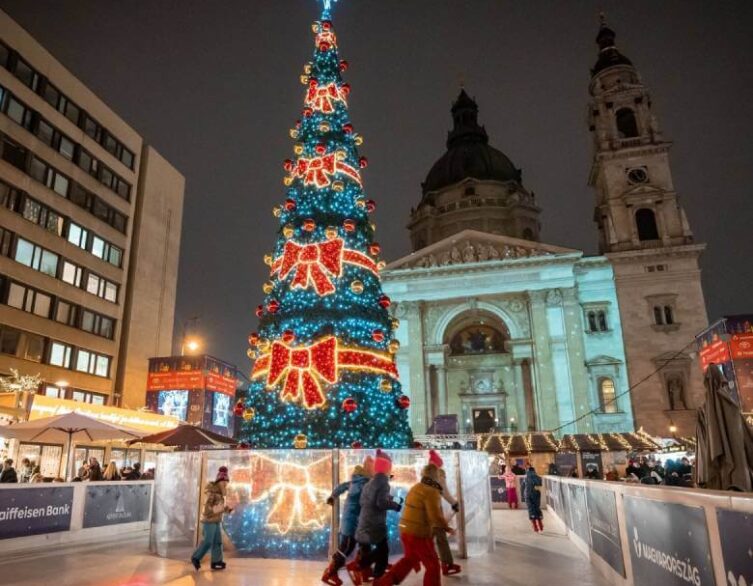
(483,252)
(455,255)
(469,252)
(493,253)
(553,297)
(676,392)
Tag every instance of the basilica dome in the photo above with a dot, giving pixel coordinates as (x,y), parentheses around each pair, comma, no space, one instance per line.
(469,154)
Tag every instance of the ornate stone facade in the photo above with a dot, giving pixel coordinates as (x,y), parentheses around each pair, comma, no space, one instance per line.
(504,342)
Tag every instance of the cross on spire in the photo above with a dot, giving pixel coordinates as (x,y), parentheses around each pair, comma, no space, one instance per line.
(326,7)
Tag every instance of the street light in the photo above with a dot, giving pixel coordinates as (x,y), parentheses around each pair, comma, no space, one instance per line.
(190,346)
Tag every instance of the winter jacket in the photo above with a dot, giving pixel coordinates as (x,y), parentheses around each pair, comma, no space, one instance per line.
(352,505)
(375,502)
(511,480)
(423,506)
(9,475)
(533,494)
(95,473)
(214,496)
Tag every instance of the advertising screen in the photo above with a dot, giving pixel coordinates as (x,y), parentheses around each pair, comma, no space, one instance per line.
(173,403)
(221,410)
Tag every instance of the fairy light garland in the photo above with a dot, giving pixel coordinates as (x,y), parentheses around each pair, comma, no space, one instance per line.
(321,377)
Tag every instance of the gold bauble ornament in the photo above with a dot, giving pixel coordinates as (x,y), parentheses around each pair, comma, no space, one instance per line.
(293,133)
(263,346)
(276,211)
(386,385)
(394,346)
(338,186)
(300,441)
(249,413)
(288,181)
(298,149)
(268,260)
(357,287)
(305,79)
(361,203)
(267,287)
(307,69)
(324,127)
(288,231)
(331,232)
(380,265)
(395,323)
(358,140)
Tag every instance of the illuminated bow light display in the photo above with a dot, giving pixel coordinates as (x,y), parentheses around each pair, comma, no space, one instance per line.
(300,370)
(318,264)
(322,98)
(318,171)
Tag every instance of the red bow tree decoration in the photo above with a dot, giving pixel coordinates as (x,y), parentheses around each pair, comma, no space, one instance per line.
(319,170)
(321,97)
(301,370)
(318,264)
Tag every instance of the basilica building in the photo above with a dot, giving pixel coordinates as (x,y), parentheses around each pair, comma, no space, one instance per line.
(508,333)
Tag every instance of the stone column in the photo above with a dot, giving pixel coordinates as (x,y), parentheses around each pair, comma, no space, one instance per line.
(543,371)
(520,400)
(415,379)
(576,351)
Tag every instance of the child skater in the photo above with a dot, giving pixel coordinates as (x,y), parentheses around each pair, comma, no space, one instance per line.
(449,567)
(349,518)
(533,499)
(418,525)
(371,533)
(511,484)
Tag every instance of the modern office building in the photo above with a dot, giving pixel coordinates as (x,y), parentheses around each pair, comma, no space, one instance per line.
(90,223)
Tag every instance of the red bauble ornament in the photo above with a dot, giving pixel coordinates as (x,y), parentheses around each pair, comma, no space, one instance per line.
(320,149)
(356,445)
(253,339)
(377,335)
(307,112)
(298,124)
(347,128)
(363,162)
(309,225)
(403,402)
(343,65)
(385,301)
(345,88)
(259,310)
(287,165)
(238,409)
(370,205)
(326,25)
(290,204)
(288,336)
(273,306)
(324,46)
(375,249)
(350,405)
(349,225)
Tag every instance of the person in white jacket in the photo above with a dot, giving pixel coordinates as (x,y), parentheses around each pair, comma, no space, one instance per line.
(449,567)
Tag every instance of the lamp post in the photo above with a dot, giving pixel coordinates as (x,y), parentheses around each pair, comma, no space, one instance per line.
(190,344)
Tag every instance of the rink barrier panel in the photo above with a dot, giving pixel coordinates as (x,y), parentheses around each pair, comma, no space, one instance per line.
(99,511)
(263,479)
(666,535)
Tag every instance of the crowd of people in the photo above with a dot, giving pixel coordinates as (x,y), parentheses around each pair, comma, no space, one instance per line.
(29,472)
(424,528)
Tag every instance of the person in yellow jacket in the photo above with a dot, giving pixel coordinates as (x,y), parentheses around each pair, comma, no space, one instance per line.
(422,517)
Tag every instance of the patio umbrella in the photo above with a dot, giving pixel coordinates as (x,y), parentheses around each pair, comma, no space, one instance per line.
(68,428)
(724,456)
(187,437)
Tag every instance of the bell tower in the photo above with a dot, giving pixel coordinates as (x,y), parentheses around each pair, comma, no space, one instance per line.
(643,230)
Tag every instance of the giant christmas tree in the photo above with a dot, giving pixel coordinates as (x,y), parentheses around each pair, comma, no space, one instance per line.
(324,370)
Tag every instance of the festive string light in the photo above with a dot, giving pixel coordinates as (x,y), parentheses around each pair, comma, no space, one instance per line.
(325,289)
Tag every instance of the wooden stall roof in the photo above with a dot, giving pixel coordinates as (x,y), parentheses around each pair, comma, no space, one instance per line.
(538,442)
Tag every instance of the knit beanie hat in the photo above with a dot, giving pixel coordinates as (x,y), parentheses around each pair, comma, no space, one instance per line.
(222,474)
(435,458)
(382,463)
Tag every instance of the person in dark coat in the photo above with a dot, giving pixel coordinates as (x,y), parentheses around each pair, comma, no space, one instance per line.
(134,474)
(95,471)
(348,519)
(532,493)
(8,474)
(371,533)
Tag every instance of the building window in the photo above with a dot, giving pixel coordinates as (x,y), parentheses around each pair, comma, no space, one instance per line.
(627,125)
(34,348)
(72,274)
(29,300)
(14,153)
(607,396)
(65,313)
(645,222)
(101,287)
(597,320)
(10,339)
(92,363)
(36,257)
(60,354)
(664,315)
(77,235)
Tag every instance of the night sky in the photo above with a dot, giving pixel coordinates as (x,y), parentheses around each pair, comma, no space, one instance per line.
(214,86)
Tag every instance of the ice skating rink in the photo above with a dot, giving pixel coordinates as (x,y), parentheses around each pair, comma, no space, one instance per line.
(521,558)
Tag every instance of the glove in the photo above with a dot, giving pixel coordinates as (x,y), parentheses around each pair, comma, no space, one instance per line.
(456,507)
(330,501)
